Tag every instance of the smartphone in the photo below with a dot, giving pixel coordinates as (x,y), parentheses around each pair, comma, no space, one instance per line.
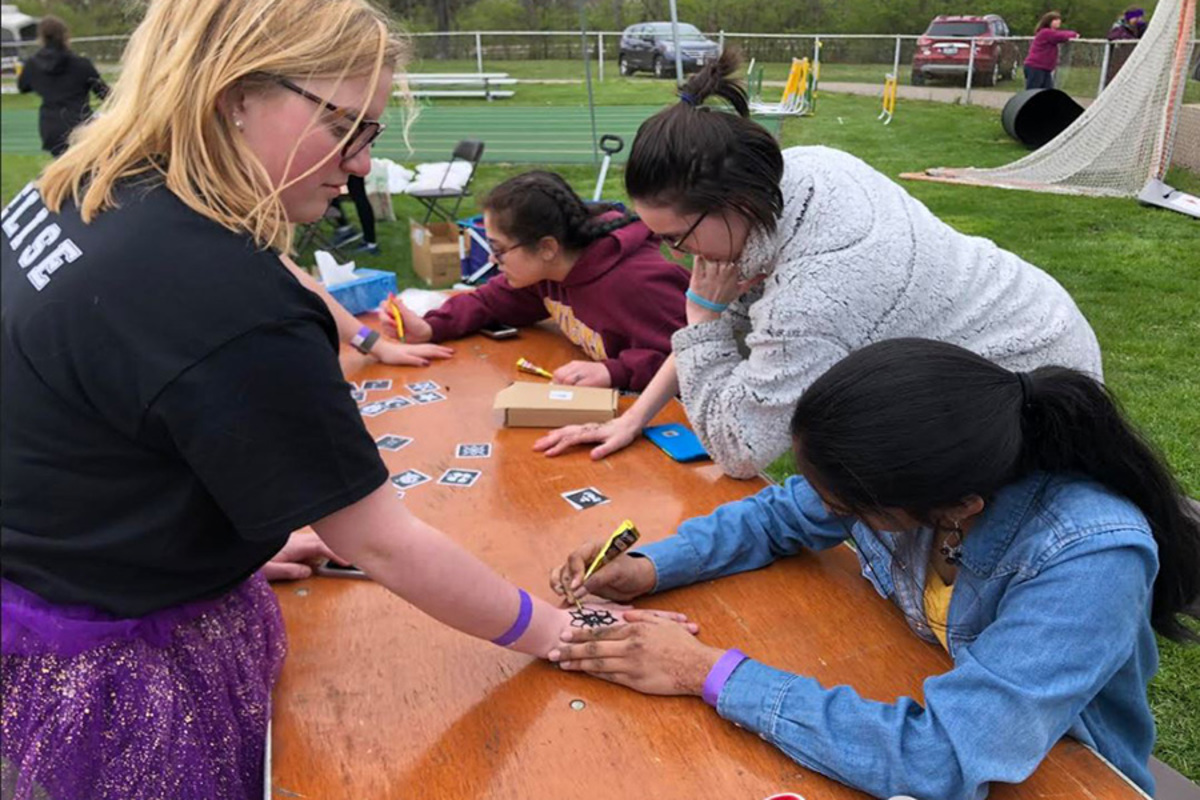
(333,569)
(498,330)
(677,441)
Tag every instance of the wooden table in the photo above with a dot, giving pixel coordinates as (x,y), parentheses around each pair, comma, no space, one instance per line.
(378,701)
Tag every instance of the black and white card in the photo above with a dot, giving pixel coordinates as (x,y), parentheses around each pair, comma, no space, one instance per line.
(423,386)
(409,478)
(393,442)
(425,398)
(584,498)
(396,403)
(373,409)
(358,395)
(473,451)
(377,385)
(463,478)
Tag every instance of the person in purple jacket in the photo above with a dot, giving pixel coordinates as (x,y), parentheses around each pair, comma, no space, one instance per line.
(1043,51)
(1126,31)
(600,275)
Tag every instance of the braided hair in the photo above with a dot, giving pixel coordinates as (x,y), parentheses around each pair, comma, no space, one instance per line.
(536,204)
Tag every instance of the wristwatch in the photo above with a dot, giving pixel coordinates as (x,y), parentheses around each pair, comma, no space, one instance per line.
(364,340)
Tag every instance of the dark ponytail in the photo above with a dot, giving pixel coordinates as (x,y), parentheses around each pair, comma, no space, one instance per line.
(691,158)
(920,425)
(533,205)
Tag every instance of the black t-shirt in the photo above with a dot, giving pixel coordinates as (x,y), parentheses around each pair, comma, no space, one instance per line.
(172,405)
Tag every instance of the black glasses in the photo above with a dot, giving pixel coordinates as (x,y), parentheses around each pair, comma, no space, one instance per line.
(365,132)
(498,253)
(678,243)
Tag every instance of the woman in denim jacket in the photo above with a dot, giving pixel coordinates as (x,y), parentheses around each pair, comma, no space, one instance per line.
(1015,518)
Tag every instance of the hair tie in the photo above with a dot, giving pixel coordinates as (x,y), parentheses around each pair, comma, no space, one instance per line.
(1026,389)
(689,99)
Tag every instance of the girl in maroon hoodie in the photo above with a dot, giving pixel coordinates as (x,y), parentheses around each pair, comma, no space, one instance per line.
(1043,51)
(600,275)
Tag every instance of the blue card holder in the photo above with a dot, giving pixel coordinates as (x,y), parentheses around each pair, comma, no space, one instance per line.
(677,441)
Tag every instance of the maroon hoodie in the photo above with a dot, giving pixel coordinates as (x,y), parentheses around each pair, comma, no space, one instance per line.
(620,302)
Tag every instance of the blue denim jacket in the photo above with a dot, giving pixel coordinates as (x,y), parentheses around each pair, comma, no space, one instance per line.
(1049,628)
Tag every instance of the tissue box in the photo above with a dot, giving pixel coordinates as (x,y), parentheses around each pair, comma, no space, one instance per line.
(369,288)
(436,252)
(548,405)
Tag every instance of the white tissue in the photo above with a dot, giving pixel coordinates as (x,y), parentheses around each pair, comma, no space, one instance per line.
(333,273)
(422,301)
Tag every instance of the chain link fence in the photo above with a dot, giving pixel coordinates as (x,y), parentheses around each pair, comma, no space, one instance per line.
(976,66)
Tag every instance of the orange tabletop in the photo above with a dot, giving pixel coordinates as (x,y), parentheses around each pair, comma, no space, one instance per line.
(378,701)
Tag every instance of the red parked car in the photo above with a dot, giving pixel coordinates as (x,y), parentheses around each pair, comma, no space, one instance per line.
(944,50)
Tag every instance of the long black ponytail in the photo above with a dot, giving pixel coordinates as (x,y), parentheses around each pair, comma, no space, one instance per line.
(920,425)
(538,203)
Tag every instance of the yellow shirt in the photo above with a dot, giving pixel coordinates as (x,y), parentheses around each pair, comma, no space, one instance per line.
(937,604)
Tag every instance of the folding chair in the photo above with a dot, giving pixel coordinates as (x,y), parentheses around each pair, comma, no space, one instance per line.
(449,184)
(312,235)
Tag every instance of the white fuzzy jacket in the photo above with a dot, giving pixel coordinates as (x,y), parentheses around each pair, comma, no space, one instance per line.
(854,260)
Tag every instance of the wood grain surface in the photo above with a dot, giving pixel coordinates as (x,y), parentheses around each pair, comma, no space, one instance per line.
(378,701)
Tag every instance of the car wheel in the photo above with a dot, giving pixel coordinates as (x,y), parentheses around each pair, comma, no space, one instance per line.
(623,66)
(659,69)
(990,78)
(1014,73)
(918,78)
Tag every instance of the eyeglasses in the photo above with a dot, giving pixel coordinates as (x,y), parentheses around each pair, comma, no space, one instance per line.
(365,132)
(678,243)
(498,253)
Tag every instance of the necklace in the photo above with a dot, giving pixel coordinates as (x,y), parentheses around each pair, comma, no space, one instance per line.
(952,551)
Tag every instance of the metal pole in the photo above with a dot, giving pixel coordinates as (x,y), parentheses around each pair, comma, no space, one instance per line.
(970,72)
(587,71)
(479,51)
(1104,68)
(675,39)
(896,60)
(721,41)
(600,52)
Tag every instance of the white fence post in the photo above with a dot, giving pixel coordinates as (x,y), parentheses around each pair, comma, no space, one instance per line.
(479,51)
(970,72)
(721,41)
(896,60)
(1104,68)
(600,52)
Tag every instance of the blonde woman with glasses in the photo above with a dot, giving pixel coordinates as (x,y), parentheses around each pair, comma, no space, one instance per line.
(173,408)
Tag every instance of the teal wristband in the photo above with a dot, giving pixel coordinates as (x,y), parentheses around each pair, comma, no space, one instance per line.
(705,302)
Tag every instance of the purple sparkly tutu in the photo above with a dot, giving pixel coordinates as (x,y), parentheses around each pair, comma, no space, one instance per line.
(171,705)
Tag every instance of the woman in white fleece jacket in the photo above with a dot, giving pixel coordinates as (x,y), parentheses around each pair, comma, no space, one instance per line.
(802,257)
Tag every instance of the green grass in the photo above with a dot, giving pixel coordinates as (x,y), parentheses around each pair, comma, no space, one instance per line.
(1130,269)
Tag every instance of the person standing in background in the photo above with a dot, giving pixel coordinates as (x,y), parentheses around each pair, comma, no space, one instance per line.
(1129,27)
(65,80)
(1043,51)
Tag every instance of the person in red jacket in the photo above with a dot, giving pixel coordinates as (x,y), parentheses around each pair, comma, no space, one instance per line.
(598,273)
(1043,51)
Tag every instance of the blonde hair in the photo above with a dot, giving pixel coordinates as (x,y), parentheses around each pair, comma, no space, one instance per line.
(163,115)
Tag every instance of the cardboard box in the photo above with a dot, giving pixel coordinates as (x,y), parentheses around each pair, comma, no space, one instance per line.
(436,252)
(548,405)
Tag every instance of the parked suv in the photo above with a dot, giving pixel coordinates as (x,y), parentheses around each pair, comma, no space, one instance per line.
(944,50)
(650,46)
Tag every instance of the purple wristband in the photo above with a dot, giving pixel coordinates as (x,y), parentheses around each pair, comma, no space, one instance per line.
(524,617)
(719,674)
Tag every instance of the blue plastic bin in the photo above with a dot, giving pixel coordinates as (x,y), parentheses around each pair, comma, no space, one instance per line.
(369,288)
(475,255)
